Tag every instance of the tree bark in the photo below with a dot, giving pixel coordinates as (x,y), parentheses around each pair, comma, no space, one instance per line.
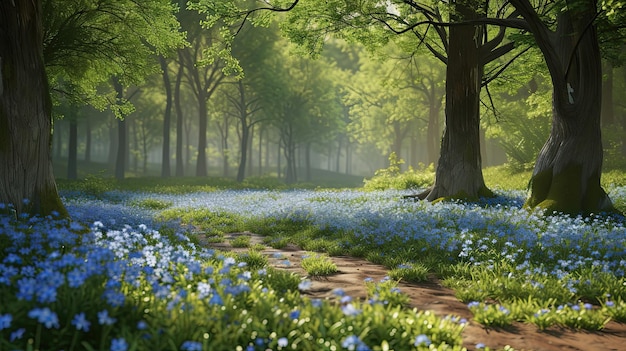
(566,177)
(459,170)
(72,157)
(180,168)
(87,139)
(122,145)
(165,157)
(26,177)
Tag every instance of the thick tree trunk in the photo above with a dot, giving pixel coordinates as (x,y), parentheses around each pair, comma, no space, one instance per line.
(459,170)
(26,177)
(165,157)
(566,177)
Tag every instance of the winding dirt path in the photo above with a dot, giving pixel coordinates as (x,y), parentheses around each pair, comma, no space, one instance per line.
(431,295)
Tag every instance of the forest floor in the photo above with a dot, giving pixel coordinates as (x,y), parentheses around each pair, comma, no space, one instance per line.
(432,296)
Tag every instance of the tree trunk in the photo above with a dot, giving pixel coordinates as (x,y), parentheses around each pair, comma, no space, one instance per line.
(307,161)
(260,154)
(180,168)
(72,155)
(87,139)
(245,137)
(432,132)
(165,158)
(250,152)
(26,177)
(201,165)
(112,142)
(459,170)
(122,145)
(567,173)
(120,158)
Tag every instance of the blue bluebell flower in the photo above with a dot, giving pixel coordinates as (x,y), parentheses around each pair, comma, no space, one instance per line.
(119,344)
(191,346)
(422,339)
(81,322)
(45,316)
(5,321)
(105,319)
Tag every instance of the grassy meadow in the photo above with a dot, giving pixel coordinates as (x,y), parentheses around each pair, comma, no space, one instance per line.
(128,271)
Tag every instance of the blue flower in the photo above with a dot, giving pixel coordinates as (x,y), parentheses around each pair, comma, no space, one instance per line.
(304,285)
(26,288)
(142,325)
(80,322)
(473,304)
(216,299)
(45,316)
(350,310)
(104,319)
(480,345)
(422,339)
(294,314)
(5,321)
(191,346)
(119,344)
(18,334)
(353,342)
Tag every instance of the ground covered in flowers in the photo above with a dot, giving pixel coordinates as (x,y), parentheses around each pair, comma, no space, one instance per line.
(354,273)
(128,272)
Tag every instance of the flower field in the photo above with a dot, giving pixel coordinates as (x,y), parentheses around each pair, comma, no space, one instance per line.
(128,272)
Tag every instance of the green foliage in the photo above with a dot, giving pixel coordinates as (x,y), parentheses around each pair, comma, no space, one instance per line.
(392,177)
(506,178)
(254,260)
(410,273)
(282,281)
(318,265)
(86,43)
(206,221)
(386,292)
(241,241)
(153,204)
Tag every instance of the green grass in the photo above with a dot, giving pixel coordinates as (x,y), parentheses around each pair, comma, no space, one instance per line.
(241,241)
(318,265)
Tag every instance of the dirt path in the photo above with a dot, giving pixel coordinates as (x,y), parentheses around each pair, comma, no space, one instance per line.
(433,296)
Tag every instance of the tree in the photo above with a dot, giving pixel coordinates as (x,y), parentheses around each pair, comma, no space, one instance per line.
(382,114)
(86,45)
(567,173)
(374,23)
(167,117)
(26,177)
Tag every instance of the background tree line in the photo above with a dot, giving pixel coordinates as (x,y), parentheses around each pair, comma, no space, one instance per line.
(222,85)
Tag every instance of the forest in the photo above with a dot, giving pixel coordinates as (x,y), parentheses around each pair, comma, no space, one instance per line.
(312,175)
(240,89)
